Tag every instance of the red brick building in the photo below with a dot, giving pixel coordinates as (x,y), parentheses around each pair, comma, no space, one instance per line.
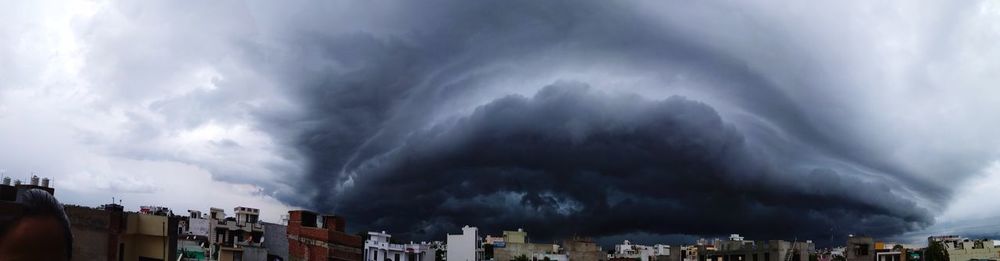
(315,237)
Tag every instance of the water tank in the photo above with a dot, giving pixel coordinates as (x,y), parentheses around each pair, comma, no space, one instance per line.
(45,182)
(6,181)
(34,180)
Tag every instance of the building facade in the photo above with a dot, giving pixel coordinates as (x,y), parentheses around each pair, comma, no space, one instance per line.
(276,241)
(583,249)
(378,247)
(964,249)
(627,250)
(98,231)
(321,237)
(465,246)
(737,249)
(149,237)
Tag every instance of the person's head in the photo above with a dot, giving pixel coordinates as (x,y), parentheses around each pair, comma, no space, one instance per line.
(36,229)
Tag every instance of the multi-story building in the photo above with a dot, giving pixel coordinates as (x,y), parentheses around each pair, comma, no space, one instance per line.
(378,247)
(583,249)
(149,237)
(321,237)
(737,249)
(236,238)
(627,250)
(465,246)
(964,249)
(516,244)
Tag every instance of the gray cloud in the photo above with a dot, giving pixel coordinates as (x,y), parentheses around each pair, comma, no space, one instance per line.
(810,141)
(808,120)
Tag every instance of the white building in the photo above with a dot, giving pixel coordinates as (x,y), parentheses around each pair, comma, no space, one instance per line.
(379,248)
(642,252)
(465,246)
(197,225)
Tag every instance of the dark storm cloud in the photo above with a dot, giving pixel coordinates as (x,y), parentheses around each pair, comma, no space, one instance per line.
(572,161)
(389,141)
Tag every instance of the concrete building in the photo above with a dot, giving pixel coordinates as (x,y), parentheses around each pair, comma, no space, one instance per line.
(149,237)
(195,224)
(860,248)
(465,246)
(514,250)
(737,249)
(627,250)
(378,247)
(516,244)
(964,249)
(235,238)
(518,236)
(583,249)
(316,237)
(276,241)
(96,231)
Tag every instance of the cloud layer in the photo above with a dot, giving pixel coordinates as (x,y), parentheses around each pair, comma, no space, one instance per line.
(808,120)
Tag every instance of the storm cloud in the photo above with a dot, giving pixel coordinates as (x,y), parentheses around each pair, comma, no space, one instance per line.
(414,130)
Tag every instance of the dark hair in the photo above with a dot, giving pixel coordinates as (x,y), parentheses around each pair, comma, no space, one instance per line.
(39,203)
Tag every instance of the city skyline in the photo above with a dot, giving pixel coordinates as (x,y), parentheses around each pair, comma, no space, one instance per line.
(666,120)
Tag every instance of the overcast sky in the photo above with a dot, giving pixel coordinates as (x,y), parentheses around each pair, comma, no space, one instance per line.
(651,119)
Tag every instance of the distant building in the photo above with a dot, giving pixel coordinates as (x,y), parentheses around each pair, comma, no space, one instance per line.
(860,248)
(517,244)
(276,241)
(378,247)
(315,237)
(737,249)
(964,249)
(465,246)
(518,236)
(627,250)
(583,249)
(236,238)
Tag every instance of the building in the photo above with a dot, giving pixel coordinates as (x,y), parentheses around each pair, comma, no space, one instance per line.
(378,247)
(583,249)
(315,237)
(518,236)
(96,231)
(516,244)
(276,241)
(195,224)
(465,246)
(964,249)
(627,250)
(738,249)
(149,237)
(235,238)
(860,248)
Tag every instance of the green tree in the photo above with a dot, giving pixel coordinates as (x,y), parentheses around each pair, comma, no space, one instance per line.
(935,252)
(522,258)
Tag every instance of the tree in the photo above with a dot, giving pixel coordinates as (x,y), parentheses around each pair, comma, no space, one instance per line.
(935,252)
(522,258)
